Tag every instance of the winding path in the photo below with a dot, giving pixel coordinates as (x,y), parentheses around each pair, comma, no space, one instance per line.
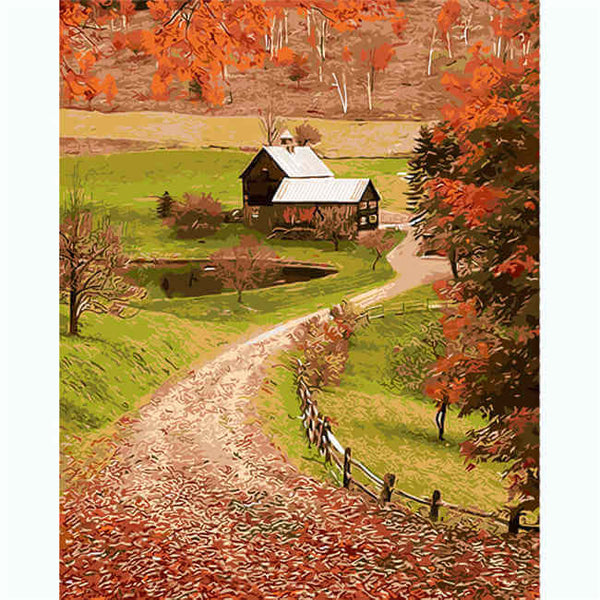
(199,504)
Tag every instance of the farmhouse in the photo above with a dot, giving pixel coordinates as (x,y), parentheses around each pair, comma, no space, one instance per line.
(287,185)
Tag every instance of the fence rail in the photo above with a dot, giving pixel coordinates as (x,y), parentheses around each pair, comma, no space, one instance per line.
(319,434)
(417,305)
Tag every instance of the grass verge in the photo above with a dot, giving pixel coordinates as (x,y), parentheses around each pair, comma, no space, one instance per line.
(389,430)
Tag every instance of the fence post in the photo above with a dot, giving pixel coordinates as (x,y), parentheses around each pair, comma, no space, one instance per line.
(326,442)
(434,510)
(514,521)
(319,434)
(388,484)
(347,467)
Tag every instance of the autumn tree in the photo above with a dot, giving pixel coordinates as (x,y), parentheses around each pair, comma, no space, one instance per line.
(203,41)
(487,209)
(307,135)
(91,264)
(334,224)
(374,53)
(378,241)
(340,78)
(80,25)
(298,70)
(447,17)
(197,216)
(245,266)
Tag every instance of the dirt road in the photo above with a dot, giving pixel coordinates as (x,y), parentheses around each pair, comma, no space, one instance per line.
(197,503)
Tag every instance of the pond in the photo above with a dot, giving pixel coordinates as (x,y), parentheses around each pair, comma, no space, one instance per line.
(193,278)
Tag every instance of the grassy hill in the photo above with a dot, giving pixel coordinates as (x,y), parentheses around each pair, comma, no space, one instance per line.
(116,363)
(388,429)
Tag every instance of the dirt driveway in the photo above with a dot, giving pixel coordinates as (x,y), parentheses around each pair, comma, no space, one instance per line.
(197,503)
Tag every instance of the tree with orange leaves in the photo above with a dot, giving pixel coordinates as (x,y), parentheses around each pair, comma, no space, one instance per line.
(485,211)
(79,46)
(447,17)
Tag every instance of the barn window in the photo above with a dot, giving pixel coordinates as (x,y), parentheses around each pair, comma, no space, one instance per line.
(373,204)
(363,220)
(372,218)
(363,205)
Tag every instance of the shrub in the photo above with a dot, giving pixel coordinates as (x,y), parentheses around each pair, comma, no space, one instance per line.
(307,135)
(324,346)
(196,217)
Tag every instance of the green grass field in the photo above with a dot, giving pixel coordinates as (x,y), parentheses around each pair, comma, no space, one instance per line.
(125,185)
(115,363)
(389,430)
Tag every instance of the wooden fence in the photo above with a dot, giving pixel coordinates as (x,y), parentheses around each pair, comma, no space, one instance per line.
(416,305)
(319,434)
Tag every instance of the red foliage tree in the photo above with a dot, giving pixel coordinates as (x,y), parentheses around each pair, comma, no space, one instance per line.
(486,214)
(244,266)
(201,41)
(298,70)
(198,216)
(378,240)
(447,17)
(79,47)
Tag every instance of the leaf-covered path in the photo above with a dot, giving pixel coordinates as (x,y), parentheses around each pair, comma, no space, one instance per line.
(197,503)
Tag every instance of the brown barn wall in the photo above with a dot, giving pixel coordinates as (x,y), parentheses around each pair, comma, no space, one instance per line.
(262,180)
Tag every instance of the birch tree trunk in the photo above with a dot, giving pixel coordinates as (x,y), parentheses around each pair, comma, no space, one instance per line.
(342,92)
(429,64)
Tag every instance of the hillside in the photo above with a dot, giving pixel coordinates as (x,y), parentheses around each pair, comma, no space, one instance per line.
(403,91)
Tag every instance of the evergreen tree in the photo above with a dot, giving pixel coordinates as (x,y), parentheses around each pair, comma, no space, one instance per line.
(164,206)
(430,160)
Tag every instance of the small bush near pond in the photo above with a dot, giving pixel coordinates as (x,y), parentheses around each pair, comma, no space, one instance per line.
(196,217)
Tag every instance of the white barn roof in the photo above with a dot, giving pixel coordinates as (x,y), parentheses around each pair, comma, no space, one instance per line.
(299,161)
(320,190)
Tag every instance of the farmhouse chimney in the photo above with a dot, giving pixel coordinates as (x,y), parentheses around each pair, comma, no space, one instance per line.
(286,139)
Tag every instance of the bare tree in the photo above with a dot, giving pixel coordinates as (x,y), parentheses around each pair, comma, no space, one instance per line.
(91,259)
(378,240)
(334,224)
(245,266)
(270,124)
(342,90)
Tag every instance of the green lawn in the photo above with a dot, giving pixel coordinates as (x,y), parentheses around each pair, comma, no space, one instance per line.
(114,363)
(124,186)
(389,430)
